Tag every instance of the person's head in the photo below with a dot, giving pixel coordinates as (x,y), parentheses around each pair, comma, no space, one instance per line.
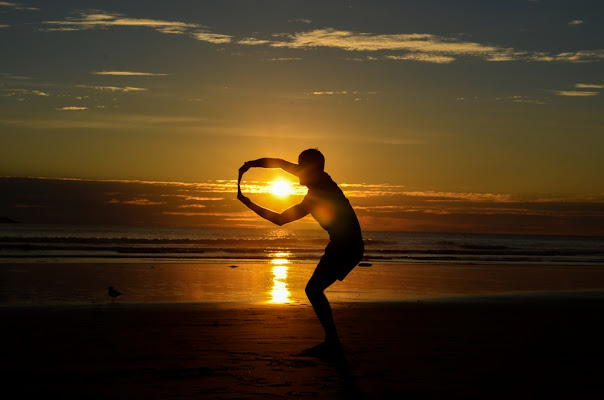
(312,163)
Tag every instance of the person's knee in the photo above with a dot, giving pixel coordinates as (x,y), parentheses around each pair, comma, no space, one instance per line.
(310,289)
(313,289)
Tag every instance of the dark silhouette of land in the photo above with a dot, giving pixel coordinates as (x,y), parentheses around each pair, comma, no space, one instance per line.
(6,220)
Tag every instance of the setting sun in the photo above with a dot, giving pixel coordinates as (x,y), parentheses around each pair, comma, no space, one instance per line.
(281,188)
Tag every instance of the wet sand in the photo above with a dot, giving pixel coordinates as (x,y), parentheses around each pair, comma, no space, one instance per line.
(482,347)
(86,283)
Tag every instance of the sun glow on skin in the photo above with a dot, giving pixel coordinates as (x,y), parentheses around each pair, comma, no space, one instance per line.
(281,188)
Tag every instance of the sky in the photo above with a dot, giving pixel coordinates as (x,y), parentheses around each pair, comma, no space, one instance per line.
(432,115)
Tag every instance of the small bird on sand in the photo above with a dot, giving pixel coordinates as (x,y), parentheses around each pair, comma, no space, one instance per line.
(113,293)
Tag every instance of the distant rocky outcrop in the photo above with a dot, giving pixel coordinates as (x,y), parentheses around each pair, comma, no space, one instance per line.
(6,220)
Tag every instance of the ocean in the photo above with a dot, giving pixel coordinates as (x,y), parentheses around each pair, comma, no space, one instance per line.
(23,243)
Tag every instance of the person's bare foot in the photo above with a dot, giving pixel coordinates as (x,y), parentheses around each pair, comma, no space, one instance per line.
(328,350)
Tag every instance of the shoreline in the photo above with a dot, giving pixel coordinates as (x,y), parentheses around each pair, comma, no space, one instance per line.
(490,298)
(75,283)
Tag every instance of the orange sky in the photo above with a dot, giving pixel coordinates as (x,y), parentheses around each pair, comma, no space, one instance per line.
(439,115)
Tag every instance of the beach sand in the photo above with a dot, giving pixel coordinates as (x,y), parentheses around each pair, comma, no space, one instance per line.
(482,347)
(408,331)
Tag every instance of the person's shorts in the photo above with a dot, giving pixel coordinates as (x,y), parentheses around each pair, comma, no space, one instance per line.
(340,258)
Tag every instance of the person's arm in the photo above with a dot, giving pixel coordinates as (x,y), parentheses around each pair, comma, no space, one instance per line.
(291,214)
(271,163)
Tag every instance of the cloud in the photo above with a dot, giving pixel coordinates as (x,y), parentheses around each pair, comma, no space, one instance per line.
(192,206)
(354,41)
(113,88)
(95,19)
(4,26)
(330,93)
(72,108)
(481,197)
(576,22)
(529,101)
(588,86)
(213,203)
(17,77)
(436,59)
(285,59)
(384,190)
(194,198)
(253,42)
(135,202)
(126,73)
(424,47)
(582,56)
(302,20)
(118,121)
(212,37)
(421,47)
(17,6)
(575,93)
(23,92)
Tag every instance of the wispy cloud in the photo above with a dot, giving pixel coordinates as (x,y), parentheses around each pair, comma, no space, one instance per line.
(588,86)
(302,20)
(424,47)
(113,88)
(574,57)
(213,203)
(212,37)
(387,190)
(17,6)
(118,121)
(414,47)
(72,108)
(575,93)
(135,202)
(16,77)
(96,19)
(253,41)
(576,22)
(434,195)
(285,59)
(126,73)
(9,92)
(432,58)
(523,99)
(321,93)
(355,41)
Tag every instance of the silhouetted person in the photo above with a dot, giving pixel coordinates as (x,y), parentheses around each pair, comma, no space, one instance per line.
(326,202)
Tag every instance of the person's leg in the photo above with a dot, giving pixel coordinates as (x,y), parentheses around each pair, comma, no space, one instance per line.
(320,281)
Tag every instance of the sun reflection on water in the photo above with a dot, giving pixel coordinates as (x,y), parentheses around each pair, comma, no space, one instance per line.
(279,291)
